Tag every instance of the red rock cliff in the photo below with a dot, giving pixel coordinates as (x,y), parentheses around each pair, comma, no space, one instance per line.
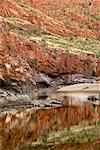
(21,53)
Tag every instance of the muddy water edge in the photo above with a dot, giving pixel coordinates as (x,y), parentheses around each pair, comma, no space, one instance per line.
(61,122)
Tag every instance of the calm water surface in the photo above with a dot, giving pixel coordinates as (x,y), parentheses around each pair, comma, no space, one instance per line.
(69,127)
(72,122)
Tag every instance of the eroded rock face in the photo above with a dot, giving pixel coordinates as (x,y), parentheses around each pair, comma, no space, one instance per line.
(34,3)
(17,55)
(75,17)
(23,59)
(14,56)
(98,68)
(11,67)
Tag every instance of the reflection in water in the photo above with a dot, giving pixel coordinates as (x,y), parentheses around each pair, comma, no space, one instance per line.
(78,98)
(52,125)
(86,146)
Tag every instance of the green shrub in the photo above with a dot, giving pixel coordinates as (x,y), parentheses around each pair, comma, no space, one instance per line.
(43,42)
(96,17)
(97,54)
(34,62)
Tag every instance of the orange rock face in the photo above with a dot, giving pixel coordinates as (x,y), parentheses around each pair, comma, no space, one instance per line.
(18,55)
(98,68)
(15,53)
(49,61)
(23,23)
(12,66)
(77,12)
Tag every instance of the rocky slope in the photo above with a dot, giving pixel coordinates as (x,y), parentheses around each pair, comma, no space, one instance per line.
(46,43)
(34,41)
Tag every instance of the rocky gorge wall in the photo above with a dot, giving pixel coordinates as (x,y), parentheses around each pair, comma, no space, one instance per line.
(21,59)
(98,68)
(24,59)
(34,50)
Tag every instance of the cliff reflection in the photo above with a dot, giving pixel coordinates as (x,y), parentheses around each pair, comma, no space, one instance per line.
(30,125)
